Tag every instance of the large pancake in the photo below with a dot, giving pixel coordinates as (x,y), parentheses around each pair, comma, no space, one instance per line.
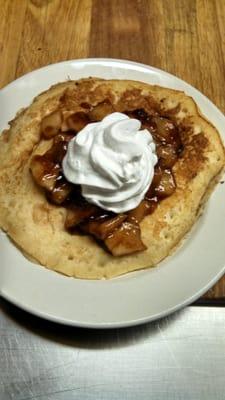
(37,227)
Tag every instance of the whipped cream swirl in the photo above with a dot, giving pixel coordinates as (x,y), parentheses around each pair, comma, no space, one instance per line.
(113,161)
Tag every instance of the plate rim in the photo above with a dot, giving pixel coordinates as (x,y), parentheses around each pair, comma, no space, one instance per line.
(111,325)
(111,60)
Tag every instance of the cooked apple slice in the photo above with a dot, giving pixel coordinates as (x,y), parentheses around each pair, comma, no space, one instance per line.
(76,121)
(44,172)
(64,137)
(58,150)
(125,240)
(100,111)
(60,192)
(75,215)
(51,124)
(102,227)
(167,155)
(166,186)
(166,132)
(150,195)
(138,213)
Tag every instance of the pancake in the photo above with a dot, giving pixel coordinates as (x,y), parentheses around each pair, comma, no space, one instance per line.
(36,225)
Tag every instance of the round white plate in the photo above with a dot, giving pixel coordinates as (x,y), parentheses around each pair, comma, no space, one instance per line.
(137,297)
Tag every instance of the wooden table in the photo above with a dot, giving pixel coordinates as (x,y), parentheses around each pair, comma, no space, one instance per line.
(183,37)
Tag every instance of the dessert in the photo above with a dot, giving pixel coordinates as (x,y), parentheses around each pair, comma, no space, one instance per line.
(99,178)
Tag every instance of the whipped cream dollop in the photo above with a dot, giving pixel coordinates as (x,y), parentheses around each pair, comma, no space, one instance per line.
(113,161)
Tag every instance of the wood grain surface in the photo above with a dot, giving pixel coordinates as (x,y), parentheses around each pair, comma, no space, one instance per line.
(183,37)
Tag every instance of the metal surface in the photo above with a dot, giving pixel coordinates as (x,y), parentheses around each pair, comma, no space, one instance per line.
(179,357)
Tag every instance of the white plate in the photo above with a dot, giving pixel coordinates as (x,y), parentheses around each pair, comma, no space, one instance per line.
(137,297)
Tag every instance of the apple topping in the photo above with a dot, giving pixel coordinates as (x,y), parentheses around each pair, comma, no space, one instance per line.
(100,111)
(120,233)
(166,185)
(51,124)
(44,172)
(101,228)
(125,240)
(77,121)
(77,214)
